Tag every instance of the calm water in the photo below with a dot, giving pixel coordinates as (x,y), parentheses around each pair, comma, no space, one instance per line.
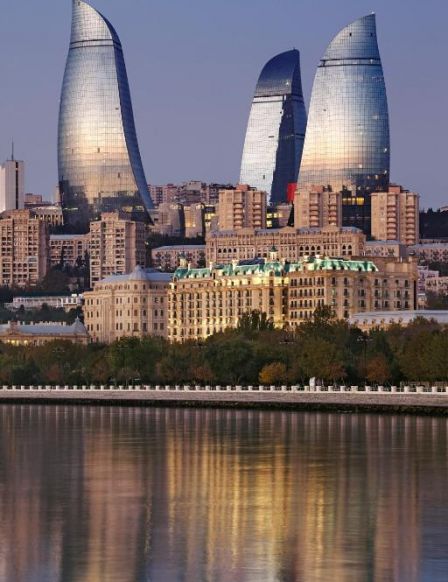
(130,494)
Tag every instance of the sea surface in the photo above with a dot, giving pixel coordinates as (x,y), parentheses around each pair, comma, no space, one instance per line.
(93,494)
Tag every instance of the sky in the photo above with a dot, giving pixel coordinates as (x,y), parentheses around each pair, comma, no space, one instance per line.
(193,67)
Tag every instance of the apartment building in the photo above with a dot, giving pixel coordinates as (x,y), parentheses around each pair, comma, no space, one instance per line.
(24,249)
(117,245)
(395,215)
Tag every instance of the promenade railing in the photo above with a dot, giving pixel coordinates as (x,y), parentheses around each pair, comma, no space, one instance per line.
(145,388)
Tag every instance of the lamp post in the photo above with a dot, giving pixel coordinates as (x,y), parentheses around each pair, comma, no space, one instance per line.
(364,339)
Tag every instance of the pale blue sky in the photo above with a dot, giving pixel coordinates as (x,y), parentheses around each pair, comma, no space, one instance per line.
(193,66)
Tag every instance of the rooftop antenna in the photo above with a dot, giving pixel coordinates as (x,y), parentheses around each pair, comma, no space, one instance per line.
(12,151)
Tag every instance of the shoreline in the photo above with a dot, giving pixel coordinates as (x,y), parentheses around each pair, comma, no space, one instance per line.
(343,402)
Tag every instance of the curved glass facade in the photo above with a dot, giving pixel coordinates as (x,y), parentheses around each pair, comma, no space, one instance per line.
(347,145)
(276,128)
(100,167)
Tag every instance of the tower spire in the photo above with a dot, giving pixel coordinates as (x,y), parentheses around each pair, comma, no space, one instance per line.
(12,150)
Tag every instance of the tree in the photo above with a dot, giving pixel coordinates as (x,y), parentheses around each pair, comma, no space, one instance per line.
(322,359)
(255,321)
(231,359)
(275,373)
(378,369)
(55,281)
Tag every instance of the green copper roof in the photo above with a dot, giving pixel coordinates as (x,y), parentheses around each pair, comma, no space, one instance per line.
(277,268)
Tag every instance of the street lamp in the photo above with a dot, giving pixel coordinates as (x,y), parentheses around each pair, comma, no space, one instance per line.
(364,339)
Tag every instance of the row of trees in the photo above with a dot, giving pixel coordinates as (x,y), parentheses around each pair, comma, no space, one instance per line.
(255,352)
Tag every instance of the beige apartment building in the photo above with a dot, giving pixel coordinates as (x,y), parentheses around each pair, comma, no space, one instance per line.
(395,215)
(292,243)
(68,249)
(24,249)
(132,305)
(243,207)
(317,208)
(202,302)
(385,248)
(430,251)
(117,245)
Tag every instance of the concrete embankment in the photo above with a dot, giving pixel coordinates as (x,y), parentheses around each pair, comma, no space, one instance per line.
(414,403)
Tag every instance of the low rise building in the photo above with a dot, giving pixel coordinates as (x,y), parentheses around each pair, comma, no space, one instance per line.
(132,305)
(430,251)
(65,302)
(385,248)
(36,334)
(167,258)
(68,249)
(245,244)
(385,319)
(436,284)
(206,301)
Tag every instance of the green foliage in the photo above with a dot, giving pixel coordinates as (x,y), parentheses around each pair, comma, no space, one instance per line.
(55,281)
(255,321)
(323,347)
(436,301)
(37,315)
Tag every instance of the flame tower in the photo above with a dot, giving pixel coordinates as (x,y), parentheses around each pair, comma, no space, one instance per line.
(276,128)
(347,143)
(100,167)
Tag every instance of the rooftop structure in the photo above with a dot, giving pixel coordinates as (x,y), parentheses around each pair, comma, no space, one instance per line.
(16,333)
(384,319)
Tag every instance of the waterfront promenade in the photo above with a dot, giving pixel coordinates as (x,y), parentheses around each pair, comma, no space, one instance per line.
(407,399)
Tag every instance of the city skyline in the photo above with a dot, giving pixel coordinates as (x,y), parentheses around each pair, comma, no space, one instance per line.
(215,154)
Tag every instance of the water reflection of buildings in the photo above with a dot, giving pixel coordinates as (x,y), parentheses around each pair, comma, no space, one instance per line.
(93,494)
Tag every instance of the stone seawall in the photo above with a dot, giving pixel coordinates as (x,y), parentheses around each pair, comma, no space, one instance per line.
(367,402)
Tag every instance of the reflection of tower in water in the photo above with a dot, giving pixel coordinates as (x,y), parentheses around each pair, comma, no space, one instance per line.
(124,493)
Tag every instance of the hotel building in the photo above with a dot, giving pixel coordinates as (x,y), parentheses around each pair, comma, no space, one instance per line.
(292,244)
(202,302)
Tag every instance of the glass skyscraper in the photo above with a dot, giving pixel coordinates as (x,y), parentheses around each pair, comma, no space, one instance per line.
(347,145)
(100,167)
(276,128)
